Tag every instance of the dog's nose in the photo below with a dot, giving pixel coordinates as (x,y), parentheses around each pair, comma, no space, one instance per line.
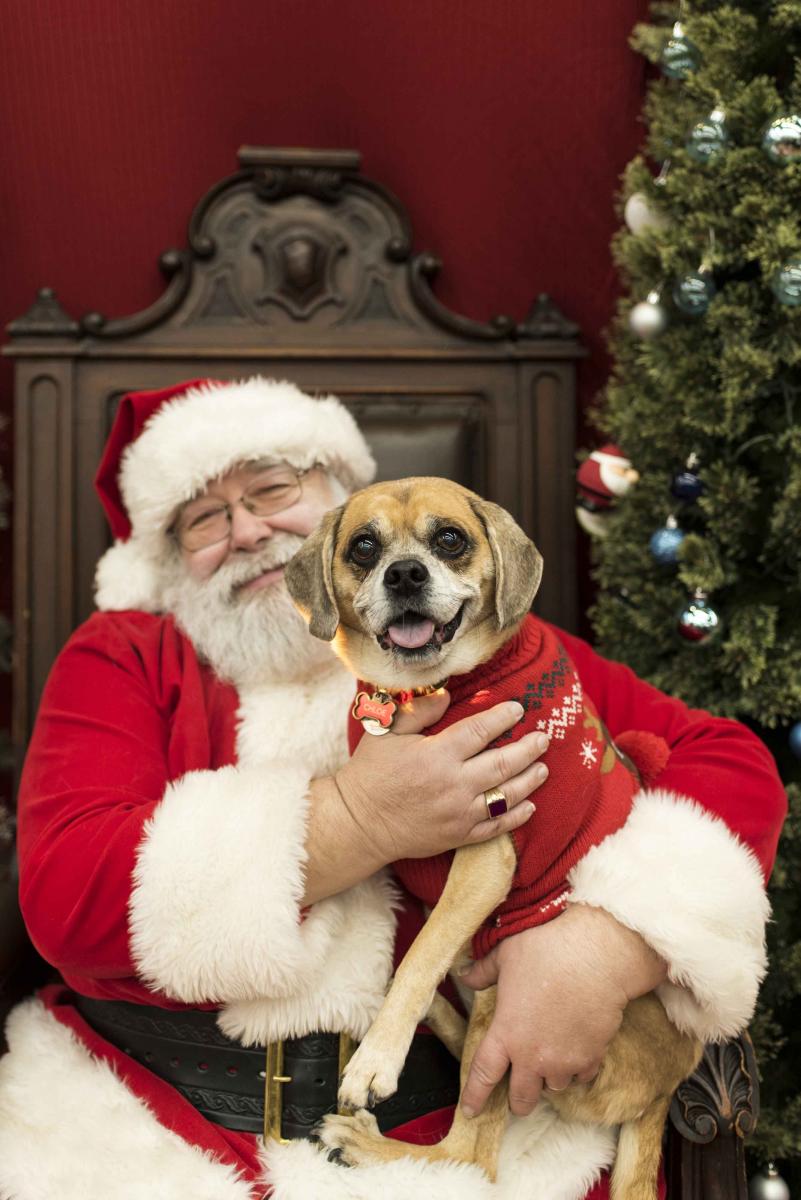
(405,577)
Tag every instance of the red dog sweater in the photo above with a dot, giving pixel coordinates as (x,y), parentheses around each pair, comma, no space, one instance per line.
(588,793)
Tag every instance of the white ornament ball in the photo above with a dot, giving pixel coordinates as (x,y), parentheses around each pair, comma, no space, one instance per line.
(648,318)
(639,215)
(768,1185)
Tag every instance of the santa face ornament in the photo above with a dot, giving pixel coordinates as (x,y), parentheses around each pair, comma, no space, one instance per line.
(600,480)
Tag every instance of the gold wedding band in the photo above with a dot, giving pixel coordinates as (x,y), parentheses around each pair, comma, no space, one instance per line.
(496,802)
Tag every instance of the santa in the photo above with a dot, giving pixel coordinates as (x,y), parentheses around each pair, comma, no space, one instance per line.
(208,872)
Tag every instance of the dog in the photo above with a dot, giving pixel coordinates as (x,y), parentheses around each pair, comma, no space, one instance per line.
(416,582)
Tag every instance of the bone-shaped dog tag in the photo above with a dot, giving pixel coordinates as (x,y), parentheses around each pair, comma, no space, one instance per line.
(376,712)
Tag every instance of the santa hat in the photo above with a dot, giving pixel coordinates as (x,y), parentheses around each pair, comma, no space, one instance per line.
(166,445)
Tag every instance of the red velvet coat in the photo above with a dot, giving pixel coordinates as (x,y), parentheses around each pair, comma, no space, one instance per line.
(129,708)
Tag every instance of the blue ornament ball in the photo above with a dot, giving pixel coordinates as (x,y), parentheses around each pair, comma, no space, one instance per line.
(786,283)
(665,544)
(693,294)
(708,138)
(686,485)
(795,739)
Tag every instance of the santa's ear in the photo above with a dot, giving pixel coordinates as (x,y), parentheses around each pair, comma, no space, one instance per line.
(310,580)
(518,562)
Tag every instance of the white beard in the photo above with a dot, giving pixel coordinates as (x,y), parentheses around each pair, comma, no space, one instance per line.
(247,637)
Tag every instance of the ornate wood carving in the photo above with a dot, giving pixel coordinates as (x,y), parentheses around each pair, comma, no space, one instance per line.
(45,318)
(713,1111)
(722,1097)
(545,320)
(298,241)
(175,265)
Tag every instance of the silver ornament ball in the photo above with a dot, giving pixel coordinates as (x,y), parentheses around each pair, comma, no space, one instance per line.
(698,621)
(648,318)
(781,140)
(768,1185)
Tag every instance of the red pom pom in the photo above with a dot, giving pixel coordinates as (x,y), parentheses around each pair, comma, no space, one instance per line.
(647,751)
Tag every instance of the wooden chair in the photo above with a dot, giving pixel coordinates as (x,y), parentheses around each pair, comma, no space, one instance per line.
(299,267)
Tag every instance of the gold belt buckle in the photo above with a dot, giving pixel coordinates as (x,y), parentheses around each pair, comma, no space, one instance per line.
(274,1078)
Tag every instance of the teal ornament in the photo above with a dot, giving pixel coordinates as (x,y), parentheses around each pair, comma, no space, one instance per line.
(795,739)
(666,541)
(781,140)
(679,56)
(786,283)
(698,621)
(709,138)
(693,294)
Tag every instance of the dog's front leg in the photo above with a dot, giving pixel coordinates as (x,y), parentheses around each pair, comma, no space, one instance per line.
(479,879)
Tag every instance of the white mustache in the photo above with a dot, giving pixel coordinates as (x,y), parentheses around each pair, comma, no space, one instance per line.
(249,565)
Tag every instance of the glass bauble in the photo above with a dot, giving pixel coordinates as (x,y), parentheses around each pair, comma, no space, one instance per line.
(795,739)
(679,56)
(693,294)
(786,283)
(708,138)
(698,621)
(781,140)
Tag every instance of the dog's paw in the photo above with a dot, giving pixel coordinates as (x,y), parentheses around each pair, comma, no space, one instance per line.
(351,1141)
(368,1079)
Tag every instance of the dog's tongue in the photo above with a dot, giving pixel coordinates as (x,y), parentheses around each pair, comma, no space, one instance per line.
(411,634)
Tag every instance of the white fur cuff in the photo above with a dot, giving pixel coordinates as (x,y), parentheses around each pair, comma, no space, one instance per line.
(694,892)
(215,909)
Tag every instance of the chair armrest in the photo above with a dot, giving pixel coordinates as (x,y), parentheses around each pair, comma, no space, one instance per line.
(711,1115)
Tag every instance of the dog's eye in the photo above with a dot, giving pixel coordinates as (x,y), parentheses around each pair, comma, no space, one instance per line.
(364,550)
(452,541)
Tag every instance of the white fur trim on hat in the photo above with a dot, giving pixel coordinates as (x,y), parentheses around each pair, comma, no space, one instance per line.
(694,892)
(197,437)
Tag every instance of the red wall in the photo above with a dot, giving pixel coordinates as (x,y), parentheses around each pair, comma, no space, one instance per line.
(502,125)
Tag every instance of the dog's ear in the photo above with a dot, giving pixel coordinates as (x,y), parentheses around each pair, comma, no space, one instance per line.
(309,577)
(518,562)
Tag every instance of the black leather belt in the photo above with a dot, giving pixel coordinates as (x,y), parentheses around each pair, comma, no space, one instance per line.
(226,1082)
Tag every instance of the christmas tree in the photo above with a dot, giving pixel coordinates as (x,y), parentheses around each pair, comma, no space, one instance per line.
(700,572)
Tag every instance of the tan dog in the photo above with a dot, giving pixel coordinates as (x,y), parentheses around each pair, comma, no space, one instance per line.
(416,581)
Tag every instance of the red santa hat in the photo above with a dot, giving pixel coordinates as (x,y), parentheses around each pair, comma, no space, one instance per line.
(166,445)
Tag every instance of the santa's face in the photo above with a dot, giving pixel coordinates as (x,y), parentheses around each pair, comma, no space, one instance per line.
(230,597)
(250,536)
(618,476)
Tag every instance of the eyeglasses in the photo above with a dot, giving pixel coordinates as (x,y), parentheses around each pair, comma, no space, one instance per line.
(207,520)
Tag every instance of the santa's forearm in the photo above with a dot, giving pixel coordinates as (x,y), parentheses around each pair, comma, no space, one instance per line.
(339,854)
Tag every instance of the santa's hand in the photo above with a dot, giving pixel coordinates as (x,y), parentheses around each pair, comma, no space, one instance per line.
(413,796)
(562,989)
